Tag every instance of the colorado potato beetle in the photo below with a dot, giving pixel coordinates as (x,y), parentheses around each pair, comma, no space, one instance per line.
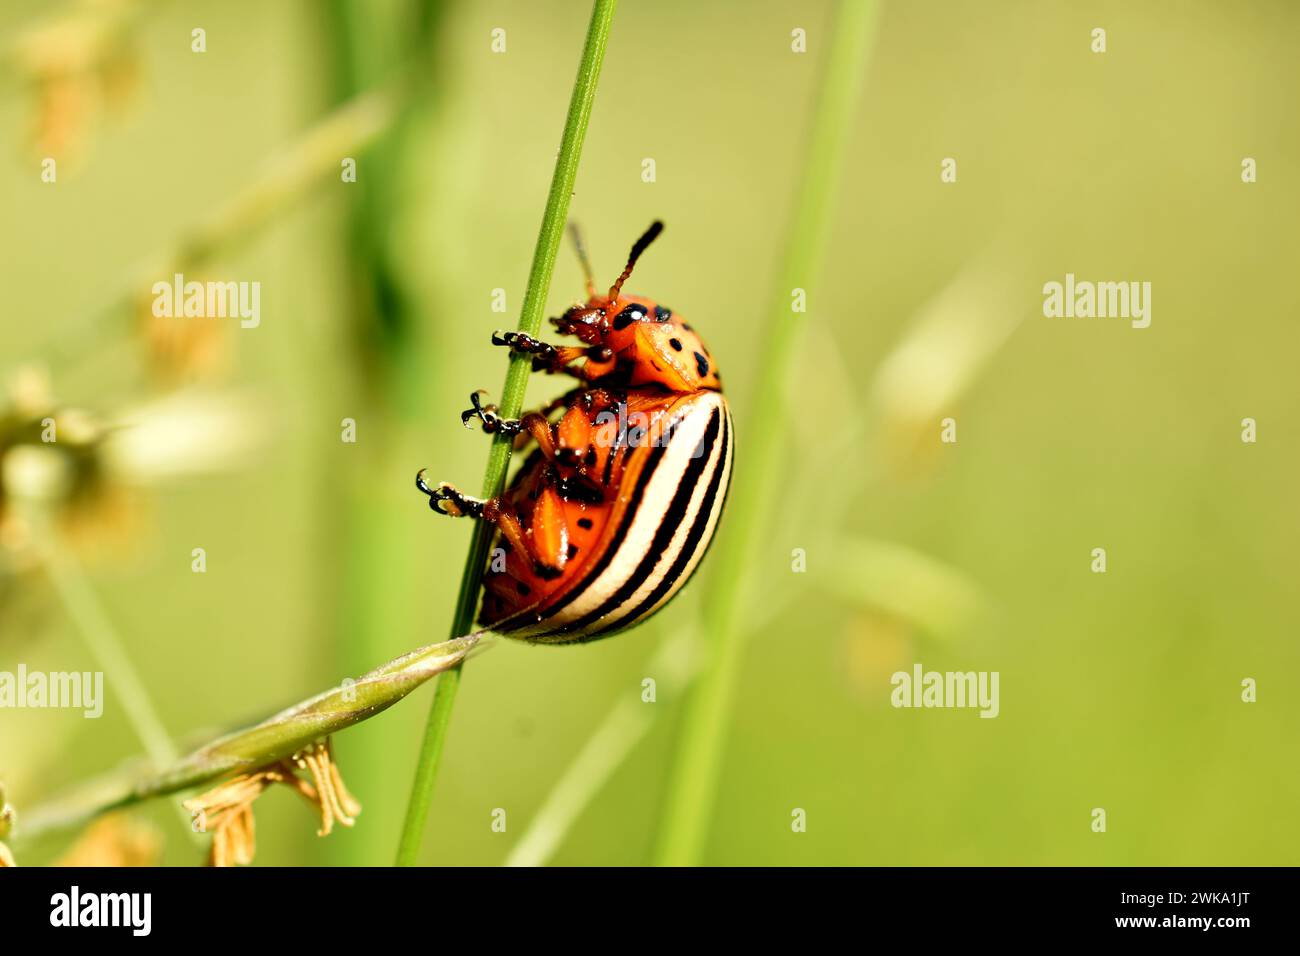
(617,501)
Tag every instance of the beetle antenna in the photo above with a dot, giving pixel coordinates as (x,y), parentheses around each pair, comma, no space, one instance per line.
(649,236)
(580,247)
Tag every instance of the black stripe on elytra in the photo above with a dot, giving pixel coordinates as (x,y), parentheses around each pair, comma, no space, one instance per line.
(668,526)
(615,447)
(653,457)
(713,502)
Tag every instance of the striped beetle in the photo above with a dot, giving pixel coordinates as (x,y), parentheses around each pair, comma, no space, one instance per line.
(615,506)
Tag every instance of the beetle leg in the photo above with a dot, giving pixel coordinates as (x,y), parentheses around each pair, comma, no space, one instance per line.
(550,535)
(541,431)
(534,425)
(521,343)
(458,505)
(446,499)
(563,401)
(507,523)
(557,359)
(573,434)
(488,415)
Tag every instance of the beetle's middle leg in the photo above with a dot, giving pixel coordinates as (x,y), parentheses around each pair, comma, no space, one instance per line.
(533,425)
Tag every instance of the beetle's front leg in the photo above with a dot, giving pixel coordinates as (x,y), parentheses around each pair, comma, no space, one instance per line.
(556,359)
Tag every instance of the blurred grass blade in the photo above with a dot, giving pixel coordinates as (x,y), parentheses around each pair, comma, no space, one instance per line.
(946,347)
(626,725)
(693,784)
(906,584)
(110,654)
(285,178)
(97,631)
(674,665)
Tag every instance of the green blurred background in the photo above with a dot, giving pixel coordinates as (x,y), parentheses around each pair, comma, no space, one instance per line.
(1118,690)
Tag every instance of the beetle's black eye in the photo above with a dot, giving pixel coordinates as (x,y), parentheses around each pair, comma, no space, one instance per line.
(633,313)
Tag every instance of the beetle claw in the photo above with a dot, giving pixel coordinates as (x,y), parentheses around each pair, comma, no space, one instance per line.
(457,504)
(489,416)
(521,343)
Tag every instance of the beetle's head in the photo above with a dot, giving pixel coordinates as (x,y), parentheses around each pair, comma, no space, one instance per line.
(587,322)
(594,321)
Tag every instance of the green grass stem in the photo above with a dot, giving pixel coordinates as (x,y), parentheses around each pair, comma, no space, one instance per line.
(512,398)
